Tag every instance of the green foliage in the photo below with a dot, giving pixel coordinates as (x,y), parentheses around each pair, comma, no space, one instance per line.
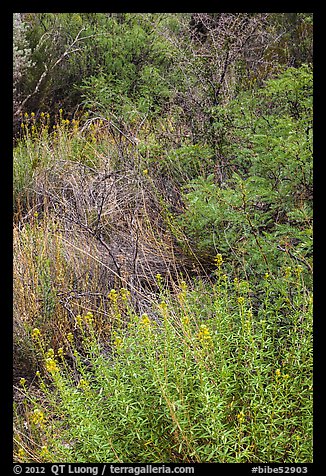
(185,155)
(211,381)
(129,79)
(185,162)
(261,214)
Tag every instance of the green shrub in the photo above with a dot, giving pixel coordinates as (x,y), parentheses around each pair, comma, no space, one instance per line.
(133,59)
(260,211)
(213,380)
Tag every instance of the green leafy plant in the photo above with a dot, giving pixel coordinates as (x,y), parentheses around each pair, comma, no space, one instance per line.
(260,210)
(214,380)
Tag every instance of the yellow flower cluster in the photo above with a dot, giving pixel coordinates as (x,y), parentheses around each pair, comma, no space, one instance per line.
(51,365)
(50,354)
(278,374)
(38,417)
(21,454)
(79,320)
(89,318)
(299,270)
(288,272)
(118,342)
(241,416)
(184,287)
(83,384)
(158,278)
(45,453)
(204,335)
(113,295)
(124,293)
(145,320)
(218,260)
(182,295)
(163,307)
(185,320)
(70,337)
(36,333)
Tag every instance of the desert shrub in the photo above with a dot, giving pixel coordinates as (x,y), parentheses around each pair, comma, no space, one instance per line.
(129,82)
(114,61)
(258,207)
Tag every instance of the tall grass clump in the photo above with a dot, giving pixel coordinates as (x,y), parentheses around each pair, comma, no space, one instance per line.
(206,376)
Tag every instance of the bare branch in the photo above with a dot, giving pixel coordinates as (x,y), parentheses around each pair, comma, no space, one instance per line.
(70,50)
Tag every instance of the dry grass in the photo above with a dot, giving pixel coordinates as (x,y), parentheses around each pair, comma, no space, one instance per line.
(89,230)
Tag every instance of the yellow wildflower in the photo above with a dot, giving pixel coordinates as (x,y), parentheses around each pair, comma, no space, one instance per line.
(218,260)
(299,270)
(89,317)
(145,320)
(83,383)
(51,365)
(50,354)
(79,320)
(163,306)
(113,295)
(124,293)
(182,295)
(45,452)
(21,454)
(36,333)
(204,335)
(118,342)
(70,337)
(37,417)
(185,320)
(241,416)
